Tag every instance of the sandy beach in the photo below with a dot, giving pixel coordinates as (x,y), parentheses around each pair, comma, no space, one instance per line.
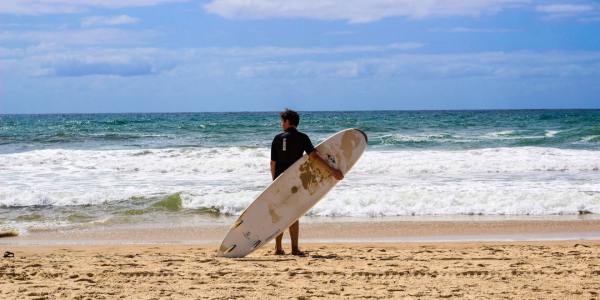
(164,264)
(472,270)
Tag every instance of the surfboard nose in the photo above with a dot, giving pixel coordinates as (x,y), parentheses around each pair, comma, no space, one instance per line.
(363,133)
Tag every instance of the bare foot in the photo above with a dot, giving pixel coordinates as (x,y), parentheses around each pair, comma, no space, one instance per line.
(297,252)
(279,252)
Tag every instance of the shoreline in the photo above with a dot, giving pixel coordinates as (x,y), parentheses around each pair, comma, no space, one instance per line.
(392,231)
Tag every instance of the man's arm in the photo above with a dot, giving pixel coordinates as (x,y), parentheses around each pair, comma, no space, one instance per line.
(337,174)
(273,157)
(273,169)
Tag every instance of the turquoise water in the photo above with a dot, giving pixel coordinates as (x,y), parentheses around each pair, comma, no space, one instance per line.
(90,169)
(575,129)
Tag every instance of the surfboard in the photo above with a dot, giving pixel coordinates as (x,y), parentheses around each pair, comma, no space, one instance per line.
(292,194)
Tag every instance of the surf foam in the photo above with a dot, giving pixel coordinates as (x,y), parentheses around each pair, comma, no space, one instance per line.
(495,181)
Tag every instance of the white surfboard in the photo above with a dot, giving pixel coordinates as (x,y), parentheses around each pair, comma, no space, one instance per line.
(292,194)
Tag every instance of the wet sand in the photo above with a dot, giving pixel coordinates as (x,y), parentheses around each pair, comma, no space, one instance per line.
(332,231)
(390,270)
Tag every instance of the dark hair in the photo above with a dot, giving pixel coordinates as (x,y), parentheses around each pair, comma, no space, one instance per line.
(291,116)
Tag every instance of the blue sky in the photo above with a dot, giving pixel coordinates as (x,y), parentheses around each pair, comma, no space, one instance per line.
(255,55)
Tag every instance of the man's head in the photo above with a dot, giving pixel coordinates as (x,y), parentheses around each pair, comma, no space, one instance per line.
(289,118)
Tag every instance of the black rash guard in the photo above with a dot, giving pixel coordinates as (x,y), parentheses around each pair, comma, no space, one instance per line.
(288,147)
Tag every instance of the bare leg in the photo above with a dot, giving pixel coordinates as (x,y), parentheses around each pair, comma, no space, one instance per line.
(278,247)
(294,233)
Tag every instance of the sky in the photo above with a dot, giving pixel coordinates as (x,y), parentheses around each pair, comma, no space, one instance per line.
(96,56)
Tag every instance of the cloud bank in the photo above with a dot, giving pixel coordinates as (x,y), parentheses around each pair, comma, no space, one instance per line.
(356,11)
(584,12)
(88,36)
(389,62)
(50,60)
(500,65)
(41,7)
(124,63)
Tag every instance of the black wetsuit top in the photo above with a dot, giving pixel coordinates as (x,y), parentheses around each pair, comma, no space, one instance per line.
(288,147)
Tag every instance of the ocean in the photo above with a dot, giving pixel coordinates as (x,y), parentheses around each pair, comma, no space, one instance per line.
(65,170)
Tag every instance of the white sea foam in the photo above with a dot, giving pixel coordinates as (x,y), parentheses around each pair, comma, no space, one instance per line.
(517,135)
(516,181)
(502,133)
(551,133)
(414,138)
(591,138)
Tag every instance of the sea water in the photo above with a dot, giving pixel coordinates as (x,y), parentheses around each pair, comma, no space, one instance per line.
(89,169)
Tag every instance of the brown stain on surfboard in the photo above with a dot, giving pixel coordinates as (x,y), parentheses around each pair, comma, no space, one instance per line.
(294,189)
(274,216)
(311,176)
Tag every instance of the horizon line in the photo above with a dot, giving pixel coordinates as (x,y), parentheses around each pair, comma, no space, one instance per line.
(309,111)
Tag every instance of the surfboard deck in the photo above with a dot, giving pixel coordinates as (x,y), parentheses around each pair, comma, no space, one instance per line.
(292,194)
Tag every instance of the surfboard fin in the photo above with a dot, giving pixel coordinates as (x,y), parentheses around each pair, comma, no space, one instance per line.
(230,249)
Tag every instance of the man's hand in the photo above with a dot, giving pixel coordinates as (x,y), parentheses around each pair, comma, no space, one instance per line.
(337,174)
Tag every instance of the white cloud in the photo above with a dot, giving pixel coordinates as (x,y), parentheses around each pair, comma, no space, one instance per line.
(243,53)
(39,7)
(564,9)
(585,12)
(58,40)
(100,36)
(51,59)
(367,62)
(504,65)
(107,62)
(290,51)
(108,20)
(355,11)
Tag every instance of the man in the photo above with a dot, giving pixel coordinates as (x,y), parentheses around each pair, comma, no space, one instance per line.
(287,148)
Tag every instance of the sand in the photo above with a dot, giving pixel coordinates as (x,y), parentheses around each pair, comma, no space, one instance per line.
(535,258)
(566,269)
